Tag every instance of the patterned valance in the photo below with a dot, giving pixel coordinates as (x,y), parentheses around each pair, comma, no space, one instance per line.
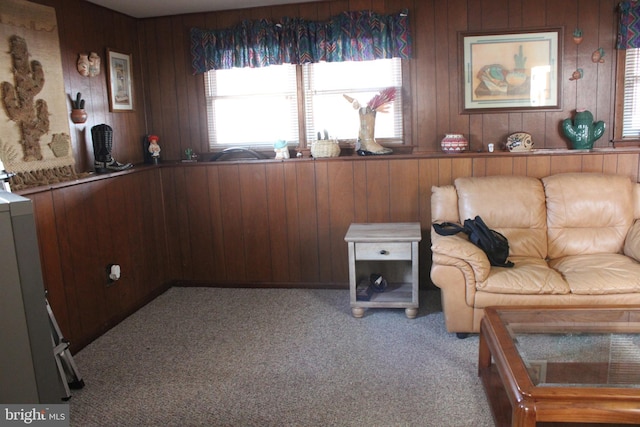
(629,27)
(350,36)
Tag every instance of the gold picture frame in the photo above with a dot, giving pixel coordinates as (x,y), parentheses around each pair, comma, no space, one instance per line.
(119,81)
(511,71)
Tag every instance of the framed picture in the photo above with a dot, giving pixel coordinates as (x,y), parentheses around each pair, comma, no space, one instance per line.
(119,81)
(511,70)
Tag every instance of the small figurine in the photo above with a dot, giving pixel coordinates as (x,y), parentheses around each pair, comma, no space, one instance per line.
(88,65)
(154,148)
(83,64)
(281,149)
(94,64)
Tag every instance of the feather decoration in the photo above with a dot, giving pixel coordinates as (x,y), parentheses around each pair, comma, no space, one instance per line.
(380,101)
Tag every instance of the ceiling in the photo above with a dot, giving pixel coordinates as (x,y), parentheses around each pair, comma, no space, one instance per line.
(151,8)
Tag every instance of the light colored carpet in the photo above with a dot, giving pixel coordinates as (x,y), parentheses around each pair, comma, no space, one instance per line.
(278,357)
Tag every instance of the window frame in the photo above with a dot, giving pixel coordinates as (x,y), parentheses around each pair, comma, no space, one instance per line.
(618,138)
(253,145)
(354,92)
(304,144)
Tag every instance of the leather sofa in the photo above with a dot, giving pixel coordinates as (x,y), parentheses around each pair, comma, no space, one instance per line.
(574,239)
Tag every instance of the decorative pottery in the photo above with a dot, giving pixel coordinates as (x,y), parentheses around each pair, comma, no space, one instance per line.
(454,143)
(78,116)
(577,36)
(577,74)
(583,132)
(519,141)
(598,55)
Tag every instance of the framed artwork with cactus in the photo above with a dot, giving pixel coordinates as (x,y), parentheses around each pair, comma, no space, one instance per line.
(515,70)
(119,81)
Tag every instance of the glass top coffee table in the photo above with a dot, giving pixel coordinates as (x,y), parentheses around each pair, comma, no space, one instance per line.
(561,365)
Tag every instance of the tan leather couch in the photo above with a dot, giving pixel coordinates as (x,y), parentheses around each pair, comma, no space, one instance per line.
(574,239)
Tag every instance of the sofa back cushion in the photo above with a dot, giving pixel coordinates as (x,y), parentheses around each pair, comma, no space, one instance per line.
(511,205)
(588,213)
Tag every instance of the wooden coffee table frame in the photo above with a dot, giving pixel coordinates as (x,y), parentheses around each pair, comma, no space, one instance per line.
(516,401)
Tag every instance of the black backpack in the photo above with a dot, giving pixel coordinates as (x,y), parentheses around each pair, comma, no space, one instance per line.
(494,244)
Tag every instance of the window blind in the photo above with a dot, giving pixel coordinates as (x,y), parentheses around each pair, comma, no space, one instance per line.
(327,109)
(252,107)
(631,116)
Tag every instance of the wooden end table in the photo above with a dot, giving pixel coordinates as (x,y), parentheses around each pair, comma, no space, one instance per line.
(388,249)
(560,365)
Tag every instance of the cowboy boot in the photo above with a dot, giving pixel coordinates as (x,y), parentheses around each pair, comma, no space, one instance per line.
(366,144)
(102,136)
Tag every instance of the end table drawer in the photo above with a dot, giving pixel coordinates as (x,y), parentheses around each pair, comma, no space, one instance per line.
(383,251)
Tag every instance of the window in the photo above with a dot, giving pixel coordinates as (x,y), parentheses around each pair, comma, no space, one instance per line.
(250,107)
(631,104)
(255,107)
(327,109)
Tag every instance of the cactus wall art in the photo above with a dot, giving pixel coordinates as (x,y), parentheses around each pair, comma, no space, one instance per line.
(34,110)
(19,99)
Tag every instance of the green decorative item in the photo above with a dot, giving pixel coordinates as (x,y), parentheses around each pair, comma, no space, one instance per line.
(583,132)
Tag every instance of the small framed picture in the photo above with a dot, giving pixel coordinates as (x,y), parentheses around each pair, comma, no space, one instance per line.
(119,81)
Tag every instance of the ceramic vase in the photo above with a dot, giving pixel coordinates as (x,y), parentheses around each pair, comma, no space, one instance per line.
(78,116)
(454,143)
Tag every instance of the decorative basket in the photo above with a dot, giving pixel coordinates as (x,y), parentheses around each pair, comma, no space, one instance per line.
(325,148)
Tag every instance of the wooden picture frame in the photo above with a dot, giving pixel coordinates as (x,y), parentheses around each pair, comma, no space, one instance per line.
(509,71)
(119,81)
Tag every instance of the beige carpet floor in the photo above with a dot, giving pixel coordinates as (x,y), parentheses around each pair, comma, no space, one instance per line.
(278,357)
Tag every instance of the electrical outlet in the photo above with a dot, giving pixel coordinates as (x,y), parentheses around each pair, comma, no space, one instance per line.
(113,273)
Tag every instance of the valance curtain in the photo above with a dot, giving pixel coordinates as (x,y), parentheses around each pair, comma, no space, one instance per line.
(350,36)
(629,27)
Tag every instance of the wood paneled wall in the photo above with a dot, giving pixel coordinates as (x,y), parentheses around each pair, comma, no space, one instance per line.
(86,227)
(265,223)
(176,108)
(283,223)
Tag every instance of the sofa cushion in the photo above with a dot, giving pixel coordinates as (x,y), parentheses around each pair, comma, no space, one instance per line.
(599,274)
(511,205)
(632,242)
(636,200)
(587,213)
(529,275)
(444,204)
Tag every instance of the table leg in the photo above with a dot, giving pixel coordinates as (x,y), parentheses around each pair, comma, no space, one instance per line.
(411,312)
(484,354)
(523,415)
(357,311)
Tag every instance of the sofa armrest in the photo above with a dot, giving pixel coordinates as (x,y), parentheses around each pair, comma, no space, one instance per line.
(632,241)
(458,251)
